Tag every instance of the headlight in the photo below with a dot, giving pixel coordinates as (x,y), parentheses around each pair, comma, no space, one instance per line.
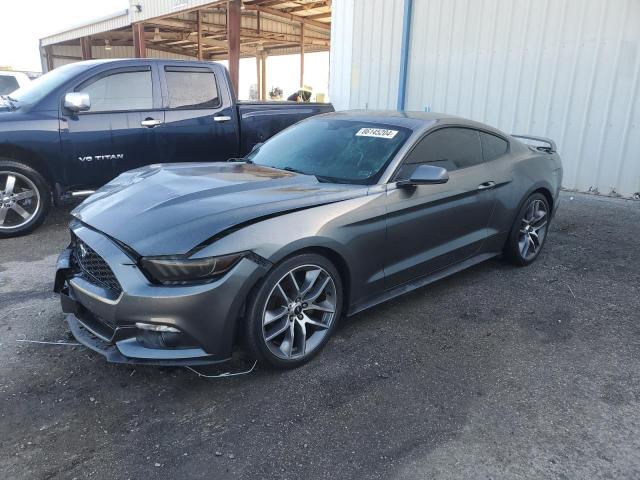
(181,271)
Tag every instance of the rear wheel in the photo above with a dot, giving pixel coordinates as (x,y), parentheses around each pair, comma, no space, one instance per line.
(529,231)
(294,311)
(25,198)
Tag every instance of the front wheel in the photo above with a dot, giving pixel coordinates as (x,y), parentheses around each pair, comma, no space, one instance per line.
(294,311)
(529,231)
(25,198)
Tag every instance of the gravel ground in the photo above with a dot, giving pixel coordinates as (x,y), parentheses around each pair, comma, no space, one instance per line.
(496,372)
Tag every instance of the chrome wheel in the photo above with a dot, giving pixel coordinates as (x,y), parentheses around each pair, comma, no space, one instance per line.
(19,200)
(299,311)
(533,229)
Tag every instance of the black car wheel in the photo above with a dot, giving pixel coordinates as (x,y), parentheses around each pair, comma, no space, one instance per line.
(529,231)
(25,198)
(294,311)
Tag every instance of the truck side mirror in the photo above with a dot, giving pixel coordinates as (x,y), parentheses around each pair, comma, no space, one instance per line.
(77,101)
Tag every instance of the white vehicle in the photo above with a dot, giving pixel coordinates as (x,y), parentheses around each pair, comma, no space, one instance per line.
(11,81)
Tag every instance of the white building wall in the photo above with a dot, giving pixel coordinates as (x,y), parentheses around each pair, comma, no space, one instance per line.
(565,69)
(342,37)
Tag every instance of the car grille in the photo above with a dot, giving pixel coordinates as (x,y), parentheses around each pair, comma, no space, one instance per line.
(94,268)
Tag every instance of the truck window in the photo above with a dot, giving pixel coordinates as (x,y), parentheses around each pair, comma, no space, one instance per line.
(191,88)
(121,91)
(8,84)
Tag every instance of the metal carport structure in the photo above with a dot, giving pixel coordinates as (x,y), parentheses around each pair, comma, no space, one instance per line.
(204,30)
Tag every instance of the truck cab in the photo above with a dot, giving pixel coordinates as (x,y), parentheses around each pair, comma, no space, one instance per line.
(76,128)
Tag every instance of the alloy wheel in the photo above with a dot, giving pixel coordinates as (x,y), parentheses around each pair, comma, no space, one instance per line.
(299,311)
(533,229)
(19,200)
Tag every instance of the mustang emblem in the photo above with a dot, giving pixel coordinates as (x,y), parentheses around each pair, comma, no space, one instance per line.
(82,250)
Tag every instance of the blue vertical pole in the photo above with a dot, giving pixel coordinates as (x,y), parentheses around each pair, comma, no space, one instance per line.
(404,54)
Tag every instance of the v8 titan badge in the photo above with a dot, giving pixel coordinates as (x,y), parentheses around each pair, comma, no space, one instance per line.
(91,158)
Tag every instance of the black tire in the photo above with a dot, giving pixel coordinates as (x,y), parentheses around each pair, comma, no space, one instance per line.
(12,225)
(254,334)
(516,242)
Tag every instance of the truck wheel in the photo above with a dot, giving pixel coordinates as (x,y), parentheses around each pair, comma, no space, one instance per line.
(25,198)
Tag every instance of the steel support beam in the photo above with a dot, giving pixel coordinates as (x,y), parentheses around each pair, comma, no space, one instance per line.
(233,36)
(301,55)
(85,47)
(199,16)
(139,48)
(263,76)
(49,56)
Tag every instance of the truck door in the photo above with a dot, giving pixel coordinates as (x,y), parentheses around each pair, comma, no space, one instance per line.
(201,122)
(118,132)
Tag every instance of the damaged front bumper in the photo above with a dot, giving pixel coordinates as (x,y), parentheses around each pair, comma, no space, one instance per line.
(145,323)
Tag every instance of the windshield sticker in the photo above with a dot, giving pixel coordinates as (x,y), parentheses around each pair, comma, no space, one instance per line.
(376,132)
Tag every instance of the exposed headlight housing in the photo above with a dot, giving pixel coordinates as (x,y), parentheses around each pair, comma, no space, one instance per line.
(184,271)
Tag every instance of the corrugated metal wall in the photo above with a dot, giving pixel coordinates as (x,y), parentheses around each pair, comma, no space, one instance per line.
(342,35)
(566,69)
(375,33)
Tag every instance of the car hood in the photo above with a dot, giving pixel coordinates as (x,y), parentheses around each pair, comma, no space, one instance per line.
(170,209)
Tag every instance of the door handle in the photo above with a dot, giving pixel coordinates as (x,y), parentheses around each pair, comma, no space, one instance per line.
(150,122)
(221,118)
(487,185)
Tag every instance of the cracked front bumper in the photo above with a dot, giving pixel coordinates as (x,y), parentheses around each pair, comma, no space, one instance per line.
(205,315)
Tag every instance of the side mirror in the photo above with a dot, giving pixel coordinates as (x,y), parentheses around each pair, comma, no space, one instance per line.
(425,175)
(77,101)
(257,146)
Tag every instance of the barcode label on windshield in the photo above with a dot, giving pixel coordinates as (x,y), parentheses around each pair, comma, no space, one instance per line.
(376,132)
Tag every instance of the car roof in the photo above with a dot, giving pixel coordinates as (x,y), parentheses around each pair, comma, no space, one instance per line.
(409,119)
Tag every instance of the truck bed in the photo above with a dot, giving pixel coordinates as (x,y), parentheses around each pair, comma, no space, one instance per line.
(261,120)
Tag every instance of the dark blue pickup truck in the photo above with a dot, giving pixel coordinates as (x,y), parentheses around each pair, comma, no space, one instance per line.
(79,126)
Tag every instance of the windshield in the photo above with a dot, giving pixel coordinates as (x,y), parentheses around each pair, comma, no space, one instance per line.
(42,86)
(343,151)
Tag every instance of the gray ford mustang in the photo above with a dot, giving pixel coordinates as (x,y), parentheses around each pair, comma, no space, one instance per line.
(181,263)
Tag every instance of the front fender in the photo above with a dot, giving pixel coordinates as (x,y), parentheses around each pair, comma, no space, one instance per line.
(353,229)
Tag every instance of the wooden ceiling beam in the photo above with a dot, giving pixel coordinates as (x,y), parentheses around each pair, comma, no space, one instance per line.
(265,3)
(318,16)
(307,6)
(290,16)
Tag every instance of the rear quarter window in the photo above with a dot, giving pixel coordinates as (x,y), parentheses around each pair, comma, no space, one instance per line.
(492,146)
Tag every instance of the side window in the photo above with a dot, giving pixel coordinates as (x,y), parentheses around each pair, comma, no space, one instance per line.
(191,88)
(492,146)
(121,91)
(452,148)
(8,84)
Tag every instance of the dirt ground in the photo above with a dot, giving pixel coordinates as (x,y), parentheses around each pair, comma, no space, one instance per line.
(497,372)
